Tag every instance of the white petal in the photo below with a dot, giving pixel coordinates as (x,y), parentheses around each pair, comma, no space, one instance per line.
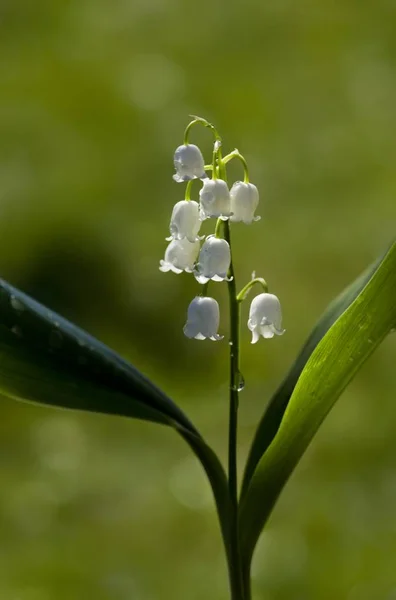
(244,201)
(165,267)
(265,309)
(189,163)
(215,199)
(180,255)
(219,277)
(189,330)
(214,259)
(199,336)
(185,222)
(255,336)
(203,317)
(216,337)
(266,331)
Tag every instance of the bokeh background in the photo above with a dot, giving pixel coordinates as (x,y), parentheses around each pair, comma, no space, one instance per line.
(94,97)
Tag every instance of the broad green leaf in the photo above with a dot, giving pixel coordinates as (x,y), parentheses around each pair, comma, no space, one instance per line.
(275,409)
(47,360)
(335,360)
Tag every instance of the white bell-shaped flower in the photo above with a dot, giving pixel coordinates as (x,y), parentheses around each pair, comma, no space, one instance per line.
(203,317)
(185,222)
(180,255)
(265,317)
(189,163)
(244,201)
(214,197)
(214,260)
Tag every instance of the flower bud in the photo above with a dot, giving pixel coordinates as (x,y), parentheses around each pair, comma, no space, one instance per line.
(189,163)
(203,317)
(265,317)
(215,200)
(185,221)
(214,260)
(180,255)
(244,201)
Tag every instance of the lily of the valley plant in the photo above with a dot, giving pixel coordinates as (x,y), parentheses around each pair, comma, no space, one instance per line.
(46,359)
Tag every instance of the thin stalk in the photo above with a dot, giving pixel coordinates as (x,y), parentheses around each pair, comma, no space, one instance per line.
(187,195)
(244,291)
(236,154)
(235,563)
(236,581)
(199,121)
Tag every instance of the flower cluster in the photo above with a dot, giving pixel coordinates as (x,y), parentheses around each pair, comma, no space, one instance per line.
(212,260)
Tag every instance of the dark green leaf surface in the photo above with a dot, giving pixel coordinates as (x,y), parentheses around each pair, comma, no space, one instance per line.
(335,360)
(46,359)
(274,412)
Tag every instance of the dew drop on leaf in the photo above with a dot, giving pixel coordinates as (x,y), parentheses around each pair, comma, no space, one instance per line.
(17,304)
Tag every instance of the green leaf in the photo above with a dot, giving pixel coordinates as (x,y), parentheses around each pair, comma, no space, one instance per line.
(46,359)
(333,363)
(275,409)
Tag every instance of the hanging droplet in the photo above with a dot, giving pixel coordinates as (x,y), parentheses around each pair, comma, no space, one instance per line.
(239,382)
(17,304)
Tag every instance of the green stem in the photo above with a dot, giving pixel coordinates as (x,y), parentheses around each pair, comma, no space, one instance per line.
(187,195)
(236,154)
(214,161)
(244,291)
(199,121)
(236,582)
(219,226)
(204,291)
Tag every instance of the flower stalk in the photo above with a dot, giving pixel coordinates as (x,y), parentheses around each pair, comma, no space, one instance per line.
(213,263)
(236,581)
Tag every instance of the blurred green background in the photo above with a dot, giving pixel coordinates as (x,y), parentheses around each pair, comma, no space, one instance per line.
(94,96)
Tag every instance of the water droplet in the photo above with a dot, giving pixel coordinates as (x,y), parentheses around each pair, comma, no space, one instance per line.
(393,330)
(239,382)
(17,331)
(230,343)
(17,304)
(370,341)
(55,339)
(56,324)
(81,343)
